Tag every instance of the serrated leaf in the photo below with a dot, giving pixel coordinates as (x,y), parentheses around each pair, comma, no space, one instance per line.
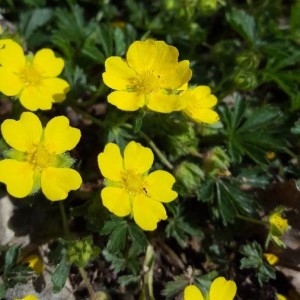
(60,275)
(138,238)
(117,263)
(243,23)
(128,279)
(172,288)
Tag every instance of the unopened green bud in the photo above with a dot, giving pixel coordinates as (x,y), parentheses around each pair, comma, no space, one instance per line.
(216,162)
(189,176)
(207,7)
(169,4)
(81,252)
(183,143)
(247,60)
(245,80)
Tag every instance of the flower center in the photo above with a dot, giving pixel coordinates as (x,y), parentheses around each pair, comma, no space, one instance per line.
(30,75)
(146,82)
(133,183)
(40,158)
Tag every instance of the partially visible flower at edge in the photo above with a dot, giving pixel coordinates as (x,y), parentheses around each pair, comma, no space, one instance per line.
(280,297)
(38,158)
(34,262)
(271,258)
(129,187)
(151,77)
(220,289)
(29,297)
(33,79)
(198,102)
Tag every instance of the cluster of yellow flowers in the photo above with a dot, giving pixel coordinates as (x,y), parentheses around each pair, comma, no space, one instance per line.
(150,78)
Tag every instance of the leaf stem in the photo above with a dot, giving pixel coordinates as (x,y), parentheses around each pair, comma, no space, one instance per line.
(87,283)
(251,220)
(64,220)
(151,143)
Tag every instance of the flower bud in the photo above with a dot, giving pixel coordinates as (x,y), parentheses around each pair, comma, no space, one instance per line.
(189,176)
(207,7)
(216,162)
(81,252)
(247,60)
(245,80)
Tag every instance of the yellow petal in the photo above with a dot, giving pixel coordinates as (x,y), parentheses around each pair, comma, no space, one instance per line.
(117,73)
(24,134)
(147,212)
(10,83)
(56,183)
(128,101)
(33,99)
(191,292)
(179,75)
(55,88)
(222,289)
(18,177)
(110,162)
(201,97)
(34,262)
(59,136)
(116,200)
(165,103)
(208,116)
(151,55)
(47,63)
(159,186)
(138,158)
(11,55)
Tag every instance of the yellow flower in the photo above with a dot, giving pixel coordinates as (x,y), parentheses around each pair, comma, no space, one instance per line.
(280,297)
(33,79)
(129,187)
(198,104)
(29,297)
(150,76)
(278,224)
(271,258)
(220,289)
(35,263)
(37,158)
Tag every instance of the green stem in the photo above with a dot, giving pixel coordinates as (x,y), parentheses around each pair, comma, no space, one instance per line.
(64,220)
(251,220)
(87,283)
(159,154)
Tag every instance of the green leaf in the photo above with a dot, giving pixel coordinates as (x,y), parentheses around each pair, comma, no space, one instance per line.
(2,291)
(172,288)
(60,275)
(11,257)
(180,228)
(252,134)
(118,264)
(254,259)
(254,177)
(30,21)
(117,231)
(128,279)
(243,23)
(138,237)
